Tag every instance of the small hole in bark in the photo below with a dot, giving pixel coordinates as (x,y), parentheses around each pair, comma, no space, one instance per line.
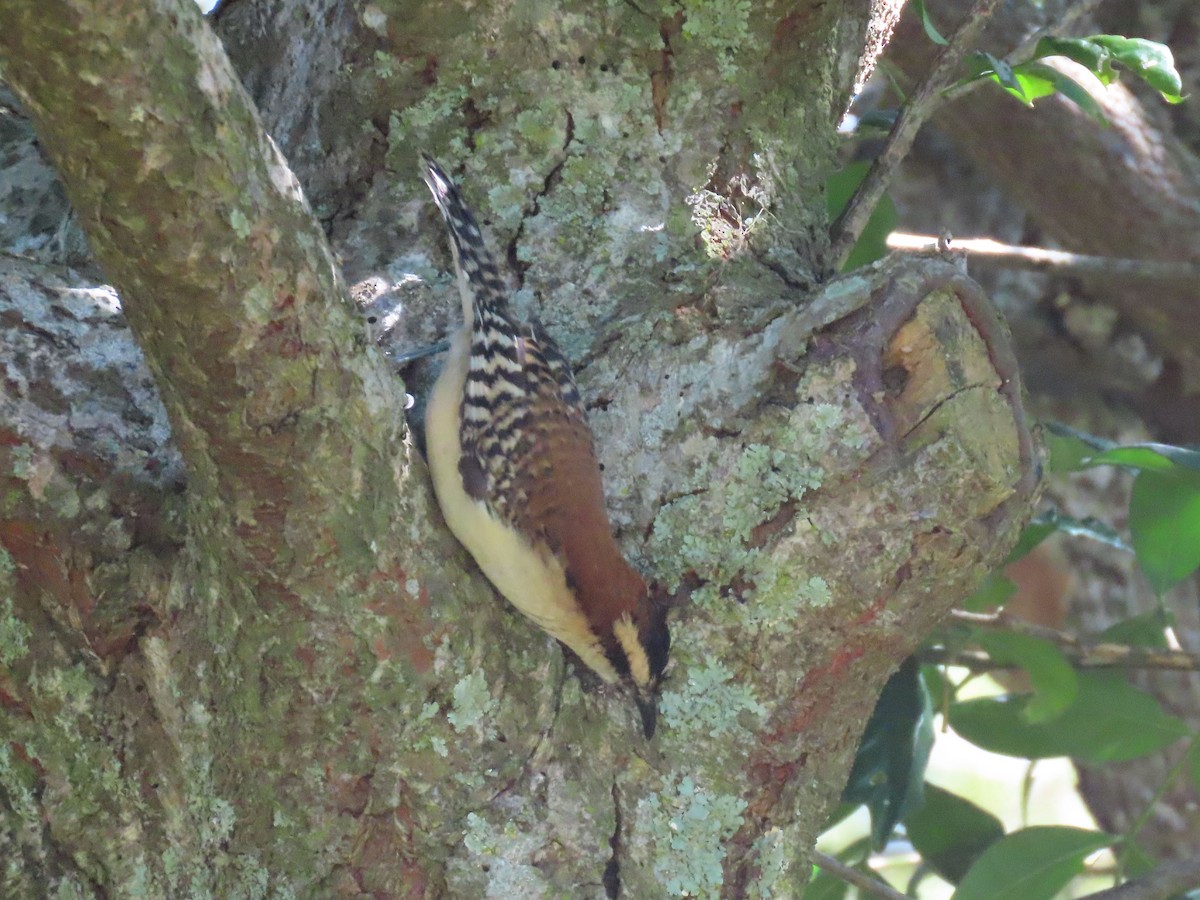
(894,379)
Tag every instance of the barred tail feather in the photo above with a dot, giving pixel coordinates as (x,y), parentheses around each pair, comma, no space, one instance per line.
(479,279)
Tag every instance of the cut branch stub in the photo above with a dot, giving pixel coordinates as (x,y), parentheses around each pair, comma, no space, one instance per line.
(858,467)
(937,499)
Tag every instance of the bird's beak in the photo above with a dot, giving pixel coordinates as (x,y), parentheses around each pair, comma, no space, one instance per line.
(647,705)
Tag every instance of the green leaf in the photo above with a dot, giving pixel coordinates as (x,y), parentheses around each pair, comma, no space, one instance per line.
(991,594)
(1040,527)
(1049,521)
(1095,442)
(1084,51)
(927,23)
(1041,80)
(824,886)
(1054,683)
(1031,864)
(999,71)
(1068,452)
(889,768)
(950,833)
(1164,519)
(1109,721)
(872,244)
(1135,861)
(1149,60)
(1036,81)
(1165,458)
(1093,529)
(1147,630)
(937,686)
(1032,80)
(1002,74)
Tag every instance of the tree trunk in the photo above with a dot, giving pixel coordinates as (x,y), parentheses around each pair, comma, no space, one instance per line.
(278,674)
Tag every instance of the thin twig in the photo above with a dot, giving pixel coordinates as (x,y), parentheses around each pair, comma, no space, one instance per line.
(1083,651)
(851,875)
(924,100)
(1109,656)
(1167,782)
(1059,262)
(1061,25)
(1167,880)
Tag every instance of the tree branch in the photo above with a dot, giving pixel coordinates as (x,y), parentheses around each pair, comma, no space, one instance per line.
(1082,651)
(1040,259)
(225,277)
(1167,880)
(920,106)
(1062,24)
(851,875)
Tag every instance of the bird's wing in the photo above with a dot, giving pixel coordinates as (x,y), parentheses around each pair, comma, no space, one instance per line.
(540,473)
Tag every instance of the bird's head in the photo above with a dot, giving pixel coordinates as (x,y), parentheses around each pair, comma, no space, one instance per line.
(643,643)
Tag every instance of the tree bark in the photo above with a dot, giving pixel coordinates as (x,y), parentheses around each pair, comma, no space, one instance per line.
(278,674)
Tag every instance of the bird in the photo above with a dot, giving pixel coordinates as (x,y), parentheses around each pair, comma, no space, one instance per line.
(515,473)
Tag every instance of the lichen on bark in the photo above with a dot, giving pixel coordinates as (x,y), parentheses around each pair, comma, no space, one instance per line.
(313,693)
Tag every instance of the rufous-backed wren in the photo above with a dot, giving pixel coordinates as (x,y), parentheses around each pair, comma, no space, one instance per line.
(516,476)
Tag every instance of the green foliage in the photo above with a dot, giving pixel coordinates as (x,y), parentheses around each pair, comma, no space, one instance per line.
(1069,449)
(1165,459)
(1030,81)
(991,594)
(927,23)
(1100,54)
(872,244)
(1050,521)
(1164,509)
(1083,714)
(826,886)
(951,833)
(1055,685)
(1030,864)
(1109,720)
(1164,518)
(889,770)
(1146,630)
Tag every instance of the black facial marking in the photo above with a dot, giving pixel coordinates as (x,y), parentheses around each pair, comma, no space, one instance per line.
(616,656)
(656,639)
